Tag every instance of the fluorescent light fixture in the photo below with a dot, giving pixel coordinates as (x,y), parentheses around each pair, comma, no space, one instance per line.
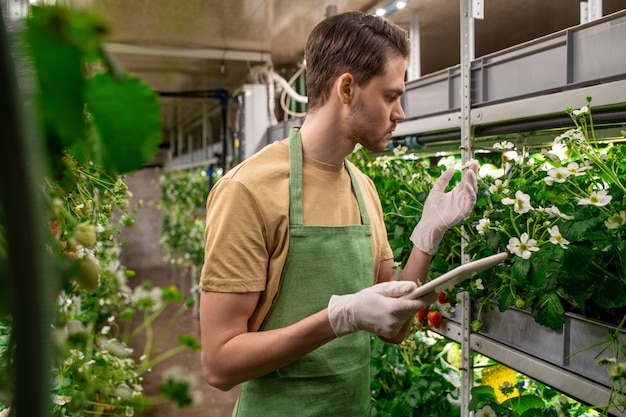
(388,7)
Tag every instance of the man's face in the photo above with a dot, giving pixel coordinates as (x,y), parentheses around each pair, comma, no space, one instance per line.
(376,109)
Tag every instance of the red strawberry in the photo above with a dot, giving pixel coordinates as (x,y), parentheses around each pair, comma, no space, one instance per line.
(443,299)
(54,225)
(421,315)
(434,319)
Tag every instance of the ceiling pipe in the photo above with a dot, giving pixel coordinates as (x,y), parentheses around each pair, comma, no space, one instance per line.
(199,53)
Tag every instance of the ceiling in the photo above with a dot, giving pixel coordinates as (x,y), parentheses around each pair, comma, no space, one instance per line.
(190,45)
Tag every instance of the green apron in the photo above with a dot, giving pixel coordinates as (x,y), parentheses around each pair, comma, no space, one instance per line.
(334,379)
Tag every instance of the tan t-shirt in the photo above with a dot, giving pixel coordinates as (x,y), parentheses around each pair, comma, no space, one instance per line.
(247,223)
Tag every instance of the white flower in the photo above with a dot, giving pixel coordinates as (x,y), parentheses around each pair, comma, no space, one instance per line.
(61,399)
(381,161)
(576,170)
(178,374)
(522,247)
(413,177)
(556,237)
(478,284)
(596,198)
(114,346)
(148,299)
(400,150)
(5,412)
(555,212)
(503,145)
(521,202)
(490,170)
(557,175)
(572,134)
(499,187)
(105,329)
(616,220)
(483,226)
(583,110)
(486,411)
(558,152)
(77,354)
(512,156)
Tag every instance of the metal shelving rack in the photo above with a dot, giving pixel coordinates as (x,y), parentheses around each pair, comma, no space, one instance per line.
(520,94)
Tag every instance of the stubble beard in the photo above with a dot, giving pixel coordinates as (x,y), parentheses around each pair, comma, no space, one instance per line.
(361,132)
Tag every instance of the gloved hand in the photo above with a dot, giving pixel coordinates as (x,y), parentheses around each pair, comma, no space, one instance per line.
(376,309)
(443,210)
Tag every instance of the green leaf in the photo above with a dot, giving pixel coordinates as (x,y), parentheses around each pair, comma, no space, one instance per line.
(520,270)
(611,293)
(580,229)
(58,64)
(506,299)
(523,403)
(439,264)
(574,276)
(480,396)
(548,311)
(537,276)
(5,299)
(541,412)
(127,117)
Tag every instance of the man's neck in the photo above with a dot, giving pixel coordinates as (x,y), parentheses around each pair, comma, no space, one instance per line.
(324,139)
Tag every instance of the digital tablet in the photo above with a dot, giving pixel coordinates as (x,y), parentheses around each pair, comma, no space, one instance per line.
(457,275)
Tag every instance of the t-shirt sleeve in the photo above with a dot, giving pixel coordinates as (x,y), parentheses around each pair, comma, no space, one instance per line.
(236,256)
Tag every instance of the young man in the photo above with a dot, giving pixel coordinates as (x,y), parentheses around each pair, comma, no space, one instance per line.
(297,259)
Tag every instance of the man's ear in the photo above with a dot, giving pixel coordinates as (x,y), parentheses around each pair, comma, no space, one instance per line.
(345,87)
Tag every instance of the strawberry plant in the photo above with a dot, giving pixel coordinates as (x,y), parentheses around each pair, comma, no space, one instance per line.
(559,210)
(97,123)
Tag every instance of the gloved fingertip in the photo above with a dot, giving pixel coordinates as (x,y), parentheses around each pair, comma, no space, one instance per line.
(444,179)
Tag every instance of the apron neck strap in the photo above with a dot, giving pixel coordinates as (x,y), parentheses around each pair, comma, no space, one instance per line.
(295,181)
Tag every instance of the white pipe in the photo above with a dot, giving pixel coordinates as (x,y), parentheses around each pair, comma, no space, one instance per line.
(292,93)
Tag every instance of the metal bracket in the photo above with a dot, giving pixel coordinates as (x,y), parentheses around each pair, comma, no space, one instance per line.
(16,9)
(478,9)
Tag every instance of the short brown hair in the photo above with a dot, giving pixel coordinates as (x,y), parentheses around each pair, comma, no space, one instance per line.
(353,42)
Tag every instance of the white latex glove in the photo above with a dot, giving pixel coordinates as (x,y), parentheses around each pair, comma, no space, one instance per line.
(443,210)
(376,309)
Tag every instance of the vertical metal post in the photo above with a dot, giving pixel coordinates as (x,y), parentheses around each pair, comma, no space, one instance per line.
(30,274)
(190,147)
(224,105)
(415,63)
(170,151)
(205,130)
(467,55)
(179,135)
